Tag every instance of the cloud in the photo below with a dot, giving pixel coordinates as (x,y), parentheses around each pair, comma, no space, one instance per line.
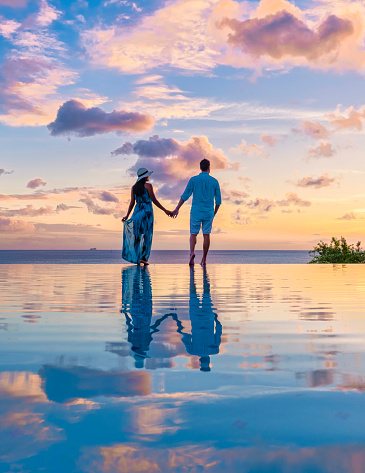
(107,196)
(34,183)
(47,14)
(154,147)
(234,196)
(323,150)
(173,161)
(292,199)
(64,207)
(168,102)
(353,119)
(261,205)
(239,218)
(252,150)
(96,209)
(269,140)
(15,226)
(313,129)
(348,216)
(317,182)
(4,172)
(283,35)
(34,71)
(28,211)
(14,3)
(73,118)
(173,36)
(8,27)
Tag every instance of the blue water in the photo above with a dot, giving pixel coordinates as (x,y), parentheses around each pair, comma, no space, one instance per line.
(234,369)
(157,257)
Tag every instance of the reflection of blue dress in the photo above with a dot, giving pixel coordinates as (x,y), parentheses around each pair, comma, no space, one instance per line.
(138,231)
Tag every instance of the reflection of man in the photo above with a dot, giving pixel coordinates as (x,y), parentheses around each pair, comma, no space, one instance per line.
(137,308)
(206,330)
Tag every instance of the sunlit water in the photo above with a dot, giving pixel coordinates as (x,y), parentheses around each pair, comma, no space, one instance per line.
(240,368)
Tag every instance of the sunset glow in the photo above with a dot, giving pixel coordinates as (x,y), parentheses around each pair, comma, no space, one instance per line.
(271,91)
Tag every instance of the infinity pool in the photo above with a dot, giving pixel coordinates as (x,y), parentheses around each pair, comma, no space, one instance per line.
(239,368)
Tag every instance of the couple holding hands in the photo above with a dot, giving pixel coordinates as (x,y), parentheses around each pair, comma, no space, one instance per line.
(138,230)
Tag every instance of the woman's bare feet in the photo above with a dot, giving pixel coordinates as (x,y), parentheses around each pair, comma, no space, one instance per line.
(191,261)
(146,263)
(203,262)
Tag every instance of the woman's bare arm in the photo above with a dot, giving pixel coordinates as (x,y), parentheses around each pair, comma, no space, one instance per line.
(131,205)
(154,200)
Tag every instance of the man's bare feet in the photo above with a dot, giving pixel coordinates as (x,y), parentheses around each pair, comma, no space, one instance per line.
(203,262)
(192,257)
(146,263)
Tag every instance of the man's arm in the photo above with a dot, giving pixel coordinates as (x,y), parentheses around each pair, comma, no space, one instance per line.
(218,198)
(187,193)
(176,211)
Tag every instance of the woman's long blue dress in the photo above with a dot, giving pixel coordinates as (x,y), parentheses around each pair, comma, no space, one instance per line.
(138,231)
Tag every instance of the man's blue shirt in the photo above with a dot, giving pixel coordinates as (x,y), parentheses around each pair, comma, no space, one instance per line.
(205,190)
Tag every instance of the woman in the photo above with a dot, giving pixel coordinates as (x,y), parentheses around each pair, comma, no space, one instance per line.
(138,231)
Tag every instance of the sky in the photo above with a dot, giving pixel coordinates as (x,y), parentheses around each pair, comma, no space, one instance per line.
(270,91)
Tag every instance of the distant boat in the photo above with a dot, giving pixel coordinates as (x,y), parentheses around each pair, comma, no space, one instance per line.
(92,249)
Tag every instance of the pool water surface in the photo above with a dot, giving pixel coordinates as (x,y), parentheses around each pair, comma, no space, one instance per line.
(236,368)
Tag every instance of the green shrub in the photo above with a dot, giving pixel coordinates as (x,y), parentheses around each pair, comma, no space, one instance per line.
(338,251)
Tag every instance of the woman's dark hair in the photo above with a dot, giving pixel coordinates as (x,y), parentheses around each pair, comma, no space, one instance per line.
(204,164)
(138,187)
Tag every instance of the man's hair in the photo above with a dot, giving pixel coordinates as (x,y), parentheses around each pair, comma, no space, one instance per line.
(204,164)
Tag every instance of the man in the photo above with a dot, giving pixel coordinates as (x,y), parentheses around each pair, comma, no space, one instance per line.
(205,190)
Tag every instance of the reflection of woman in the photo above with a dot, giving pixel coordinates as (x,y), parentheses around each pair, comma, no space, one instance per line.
(206,330)
(138,231)
(137,308)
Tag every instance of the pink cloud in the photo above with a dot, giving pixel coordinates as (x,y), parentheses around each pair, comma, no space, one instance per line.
(174,36)
(293,199)
(173,161)
(323,150)
(269,140)
(317,182)
(15,226)
(284,35)
(250,150)
(34,183)
(352,120)
(313,129)
(74,118)
(14,3)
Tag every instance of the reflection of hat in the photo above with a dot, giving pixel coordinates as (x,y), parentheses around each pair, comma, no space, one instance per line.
(142,173)
(204,363)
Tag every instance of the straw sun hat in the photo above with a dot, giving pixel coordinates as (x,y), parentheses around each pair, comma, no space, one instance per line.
(142,173)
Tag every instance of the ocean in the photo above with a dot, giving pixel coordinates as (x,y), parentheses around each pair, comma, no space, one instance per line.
(157,257)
